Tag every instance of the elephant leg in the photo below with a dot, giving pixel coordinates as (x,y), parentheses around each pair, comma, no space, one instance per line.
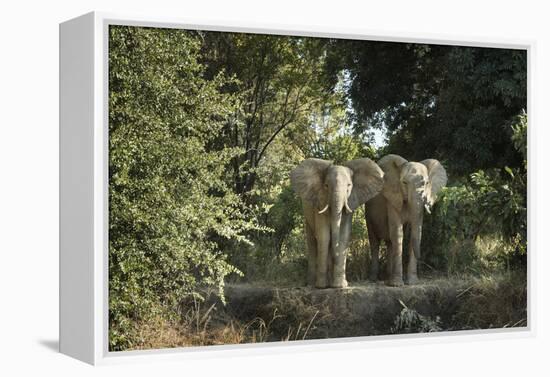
(339,271)
(330,266)
(322,233)
(389,260)
(311,243)
(412,276)
(396,254)
(374,244)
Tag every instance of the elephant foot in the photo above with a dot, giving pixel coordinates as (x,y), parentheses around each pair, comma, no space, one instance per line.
(321,283)
(395,282)
(340,284)
(412,280)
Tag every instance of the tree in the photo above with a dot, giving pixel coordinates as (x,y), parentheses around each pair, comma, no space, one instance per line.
(281,79)
(168,194)
(446,102)
(488,203)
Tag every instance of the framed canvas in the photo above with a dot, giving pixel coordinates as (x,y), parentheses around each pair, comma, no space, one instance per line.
(232,189)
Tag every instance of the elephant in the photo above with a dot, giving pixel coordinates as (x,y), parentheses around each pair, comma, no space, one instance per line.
(330,193)
(409,188)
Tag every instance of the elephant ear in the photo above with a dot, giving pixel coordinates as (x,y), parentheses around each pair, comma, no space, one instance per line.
(307,180)
(368,181)
(391,165)
(437,179)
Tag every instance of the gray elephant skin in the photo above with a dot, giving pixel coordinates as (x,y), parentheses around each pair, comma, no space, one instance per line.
(409,189)
(330,193)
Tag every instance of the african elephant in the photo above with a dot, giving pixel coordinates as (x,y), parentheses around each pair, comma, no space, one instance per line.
(409,188)
(330,193)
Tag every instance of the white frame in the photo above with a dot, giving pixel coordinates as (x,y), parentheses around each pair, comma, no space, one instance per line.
(84,191)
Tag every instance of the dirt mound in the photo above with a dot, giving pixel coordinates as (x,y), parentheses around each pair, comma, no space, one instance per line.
(254,313)
(359,310)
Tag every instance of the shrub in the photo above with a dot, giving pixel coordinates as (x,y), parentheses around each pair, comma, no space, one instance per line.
(410,321)
(168,196)
(488,209)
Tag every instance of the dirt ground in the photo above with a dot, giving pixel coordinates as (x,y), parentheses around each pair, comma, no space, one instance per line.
(263,313)
(362,309)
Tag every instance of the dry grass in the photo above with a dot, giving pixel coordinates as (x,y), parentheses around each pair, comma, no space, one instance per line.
(496,301)
(263,314)
(203,325)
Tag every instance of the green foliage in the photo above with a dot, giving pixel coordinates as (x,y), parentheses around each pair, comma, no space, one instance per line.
(283,217)
(490,205)
(205,127)
(342,148)
(280,82)
(410,321)
(277,256)
(382,76)
(519,136)
(168,196)
(331,136)
(481,92)
(358,259)
(444,102)
(287,112)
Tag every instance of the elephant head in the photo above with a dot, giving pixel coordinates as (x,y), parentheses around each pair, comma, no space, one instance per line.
(335,188)
(411,187)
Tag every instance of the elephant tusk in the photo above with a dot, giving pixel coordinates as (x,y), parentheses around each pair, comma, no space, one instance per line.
(346,206)
(427,207)
(323,210)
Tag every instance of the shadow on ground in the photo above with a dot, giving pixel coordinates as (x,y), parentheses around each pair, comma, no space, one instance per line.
(52,345)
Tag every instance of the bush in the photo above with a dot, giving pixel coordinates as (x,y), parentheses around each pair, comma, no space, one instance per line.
(410,321)
(358,258)
(482,222)
(169,201)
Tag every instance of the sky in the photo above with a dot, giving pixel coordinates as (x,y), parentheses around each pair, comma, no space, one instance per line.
(379,137)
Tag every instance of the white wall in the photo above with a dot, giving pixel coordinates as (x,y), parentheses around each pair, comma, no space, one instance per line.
(29,184)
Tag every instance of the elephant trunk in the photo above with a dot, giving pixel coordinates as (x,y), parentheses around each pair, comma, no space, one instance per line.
(416,216)
(416,236)
(337,205)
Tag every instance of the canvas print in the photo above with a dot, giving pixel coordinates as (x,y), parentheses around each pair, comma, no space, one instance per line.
(274,188)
